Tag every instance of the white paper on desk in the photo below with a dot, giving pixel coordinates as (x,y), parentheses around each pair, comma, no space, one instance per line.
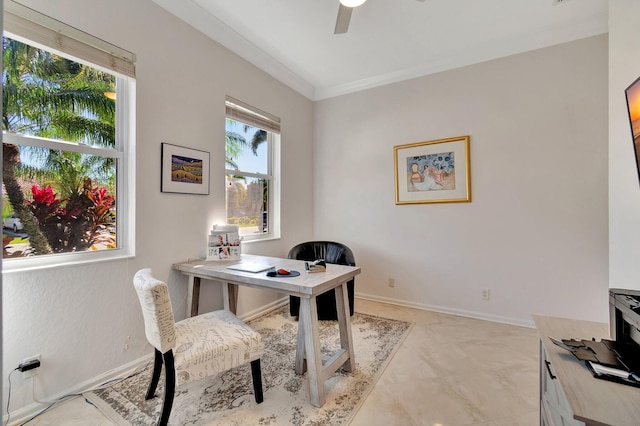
(610,371)
(250,267)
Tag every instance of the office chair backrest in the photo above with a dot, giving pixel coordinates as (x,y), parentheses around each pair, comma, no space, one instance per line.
(330,251)
(159,323)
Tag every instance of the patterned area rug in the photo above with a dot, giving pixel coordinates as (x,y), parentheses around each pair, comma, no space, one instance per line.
(228,398)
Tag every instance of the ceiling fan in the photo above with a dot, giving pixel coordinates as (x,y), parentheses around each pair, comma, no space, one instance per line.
(344,14)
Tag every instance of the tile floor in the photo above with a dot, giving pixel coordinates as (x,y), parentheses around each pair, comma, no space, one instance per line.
(450,371)
(455,371)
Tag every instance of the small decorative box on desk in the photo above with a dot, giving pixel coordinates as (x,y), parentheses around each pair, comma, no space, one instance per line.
(224,243)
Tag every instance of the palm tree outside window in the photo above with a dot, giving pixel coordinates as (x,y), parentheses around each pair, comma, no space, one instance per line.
(64,145)
(252,149)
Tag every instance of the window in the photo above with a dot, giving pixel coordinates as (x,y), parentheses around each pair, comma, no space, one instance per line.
(252,159)
(68,144)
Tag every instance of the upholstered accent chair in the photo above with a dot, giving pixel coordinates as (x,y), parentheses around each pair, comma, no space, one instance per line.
(196,347)
(331,252)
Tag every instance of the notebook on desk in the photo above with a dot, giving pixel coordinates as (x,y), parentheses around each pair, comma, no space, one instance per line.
(250,267)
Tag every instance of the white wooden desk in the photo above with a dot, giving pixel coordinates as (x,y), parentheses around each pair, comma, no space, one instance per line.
(569,394)
(307,287)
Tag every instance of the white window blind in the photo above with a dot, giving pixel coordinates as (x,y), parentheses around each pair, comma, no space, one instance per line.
(247,114)
(29,24)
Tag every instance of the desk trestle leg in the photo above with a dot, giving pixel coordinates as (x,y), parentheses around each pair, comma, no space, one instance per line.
(344,324)
(301,362)
(308,357)
(309,317)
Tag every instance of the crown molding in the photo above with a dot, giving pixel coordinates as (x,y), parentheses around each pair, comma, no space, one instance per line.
(217,30)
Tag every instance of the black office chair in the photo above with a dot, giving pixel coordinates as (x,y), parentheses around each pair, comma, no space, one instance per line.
(331,252)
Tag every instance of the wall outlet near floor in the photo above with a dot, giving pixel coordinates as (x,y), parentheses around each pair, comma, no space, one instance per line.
(486,294)
(30,373)
(392,282)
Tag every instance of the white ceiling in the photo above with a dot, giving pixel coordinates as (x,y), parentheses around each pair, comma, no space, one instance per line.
(388,40)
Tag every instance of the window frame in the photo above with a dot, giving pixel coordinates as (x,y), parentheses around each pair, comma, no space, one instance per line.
(121,64)
(256,118)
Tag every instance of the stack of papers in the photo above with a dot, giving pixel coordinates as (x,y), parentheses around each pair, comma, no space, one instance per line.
(601,359)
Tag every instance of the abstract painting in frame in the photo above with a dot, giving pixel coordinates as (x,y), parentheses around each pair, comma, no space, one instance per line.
(433,172)
(184,170)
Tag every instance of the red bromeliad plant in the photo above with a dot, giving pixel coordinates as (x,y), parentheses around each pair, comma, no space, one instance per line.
(101,215)
(45,204)
(76,223)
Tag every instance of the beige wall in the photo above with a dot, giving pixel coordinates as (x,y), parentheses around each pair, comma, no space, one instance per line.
(624,189)
(78,318)
(535,233)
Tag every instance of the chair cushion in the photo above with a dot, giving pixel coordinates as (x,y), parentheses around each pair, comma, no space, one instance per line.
(213,342)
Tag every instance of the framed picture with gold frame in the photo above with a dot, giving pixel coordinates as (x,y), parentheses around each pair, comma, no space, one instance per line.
(433,172)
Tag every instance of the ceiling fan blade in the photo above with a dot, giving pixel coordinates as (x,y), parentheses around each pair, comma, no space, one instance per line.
(344,16)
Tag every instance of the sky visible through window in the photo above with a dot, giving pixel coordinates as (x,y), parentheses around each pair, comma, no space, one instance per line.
(247,161)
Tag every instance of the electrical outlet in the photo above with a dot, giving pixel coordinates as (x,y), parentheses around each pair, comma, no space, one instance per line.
(30,373)
(392,282)
(486,295)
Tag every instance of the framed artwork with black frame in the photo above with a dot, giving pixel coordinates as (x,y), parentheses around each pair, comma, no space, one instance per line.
(184,170)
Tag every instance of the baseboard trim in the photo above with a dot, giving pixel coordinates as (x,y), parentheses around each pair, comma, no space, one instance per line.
(25,413)
(248,316)
(446,310)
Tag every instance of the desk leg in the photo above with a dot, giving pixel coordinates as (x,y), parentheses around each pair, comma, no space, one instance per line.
(309,317)
(193,296)
(344,324)
(230,297)
(301,367)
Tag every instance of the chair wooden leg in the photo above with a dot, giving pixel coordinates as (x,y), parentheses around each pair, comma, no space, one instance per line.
(157,368)
(169,388)
(256,374)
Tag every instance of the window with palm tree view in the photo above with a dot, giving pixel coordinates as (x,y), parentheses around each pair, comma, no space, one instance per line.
(250,193)
(63,158)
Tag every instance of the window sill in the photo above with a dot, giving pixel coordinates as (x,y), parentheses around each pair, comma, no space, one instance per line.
(259,240)
(10,266)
